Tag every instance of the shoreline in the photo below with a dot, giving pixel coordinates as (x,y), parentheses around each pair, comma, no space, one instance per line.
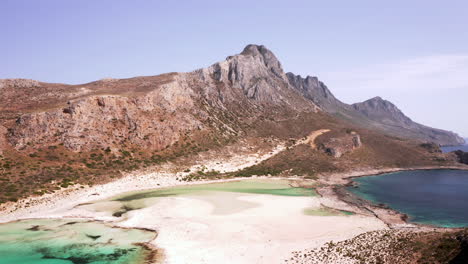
(62,205)
(393,218)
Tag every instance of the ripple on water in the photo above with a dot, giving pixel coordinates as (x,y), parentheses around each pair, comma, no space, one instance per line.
(433,197)
(57,241)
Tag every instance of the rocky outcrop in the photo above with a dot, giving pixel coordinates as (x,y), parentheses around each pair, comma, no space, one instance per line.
(257,75)
(316,91)
(461,156)
(338,146)
(18,83)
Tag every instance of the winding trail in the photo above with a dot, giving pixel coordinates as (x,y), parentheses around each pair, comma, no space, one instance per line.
(312,136)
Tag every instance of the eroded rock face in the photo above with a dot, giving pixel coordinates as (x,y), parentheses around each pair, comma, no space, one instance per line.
(258,75)
(338,146)
(152,121)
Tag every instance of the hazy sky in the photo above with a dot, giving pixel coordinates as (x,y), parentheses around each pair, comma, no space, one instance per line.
(413,53)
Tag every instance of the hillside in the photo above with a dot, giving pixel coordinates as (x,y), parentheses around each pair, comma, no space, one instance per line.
(56,135)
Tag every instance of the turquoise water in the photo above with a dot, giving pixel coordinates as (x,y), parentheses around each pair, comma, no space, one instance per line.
(57,241)
(273,187)
(433,197)
(222,196)
(47,241)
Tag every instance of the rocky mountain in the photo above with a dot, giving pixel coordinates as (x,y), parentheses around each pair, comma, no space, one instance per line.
(150,112)
(393,121)
(153,112)
(375,113)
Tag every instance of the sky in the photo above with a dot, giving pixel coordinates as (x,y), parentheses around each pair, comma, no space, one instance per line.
(412,53)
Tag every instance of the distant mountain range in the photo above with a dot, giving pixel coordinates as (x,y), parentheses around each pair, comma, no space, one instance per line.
(375,113)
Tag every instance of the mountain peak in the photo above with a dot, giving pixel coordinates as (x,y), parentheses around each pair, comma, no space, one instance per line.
(254,49)
(380,109)
(268,57)
(377,98)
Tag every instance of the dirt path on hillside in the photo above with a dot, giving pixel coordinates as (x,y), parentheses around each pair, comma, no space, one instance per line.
(312,136)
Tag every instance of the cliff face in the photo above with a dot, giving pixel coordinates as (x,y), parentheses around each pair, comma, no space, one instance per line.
(316,91)
(375,113)
(154,121)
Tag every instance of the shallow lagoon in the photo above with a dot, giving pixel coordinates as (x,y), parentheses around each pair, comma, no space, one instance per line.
(57,241)
(71,241)
(434,197)
(223,196)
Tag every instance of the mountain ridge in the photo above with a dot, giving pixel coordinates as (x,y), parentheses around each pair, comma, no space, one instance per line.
(56,135)
(374,113)
(245,84)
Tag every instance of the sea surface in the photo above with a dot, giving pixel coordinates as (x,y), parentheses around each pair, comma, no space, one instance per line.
(434,197)
(454,148)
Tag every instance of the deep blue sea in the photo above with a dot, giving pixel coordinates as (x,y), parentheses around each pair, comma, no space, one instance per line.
(434,197)
(453,148)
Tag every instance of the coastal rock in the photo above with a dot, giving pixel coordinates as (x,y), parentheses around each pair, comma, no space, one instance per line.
(338,146)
